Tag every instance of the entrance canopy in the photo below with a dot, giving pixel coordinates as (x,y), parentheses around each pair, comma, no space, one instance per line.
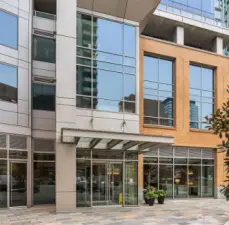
(87,139)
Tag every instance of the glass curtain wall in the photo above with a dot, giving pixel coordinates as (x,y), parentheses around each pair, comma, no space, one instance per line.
(200,7)
(182,172)
(106,178)
(106,64)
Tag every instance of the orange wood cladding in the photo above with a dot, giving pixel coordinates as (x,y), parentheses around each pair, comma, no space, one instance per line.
(183,56)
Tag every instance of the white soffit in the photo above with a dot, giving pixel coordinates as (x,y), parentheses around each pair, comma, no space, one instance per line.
(134,10)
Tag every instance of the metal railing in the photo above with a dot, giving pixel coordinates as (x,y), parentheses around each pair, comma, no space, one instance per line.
(188,14)
(45,15)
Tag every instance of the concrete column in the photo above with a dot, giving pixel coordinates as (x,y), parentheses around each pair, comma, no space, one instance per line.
(178,35)
(65,104)
(140,178)
(65,178)
(29,173)
(217,45)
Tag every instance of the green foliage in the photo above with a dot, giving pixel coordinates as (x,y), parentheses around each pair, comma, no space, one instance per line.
(151,195)
(219,124)
(160,193)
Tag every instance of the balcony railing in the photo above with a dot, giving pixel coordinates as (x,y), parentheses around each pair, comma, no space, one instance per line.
(45,15)
(188,14)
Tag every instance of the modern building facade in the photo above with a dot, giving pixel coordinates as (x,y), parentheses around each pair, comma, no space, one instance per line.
(99,99)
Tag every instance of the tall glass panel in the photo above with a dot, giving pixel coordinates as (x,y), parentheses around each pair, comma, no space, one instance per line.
(207,181)
(44,183)
(18,184)
(83,183)
(194,181)
(180,181)
(3,183)
(201,95)
(9,29)
(150,175)
(166,179)
(158,91)
(131,183)
(99,183)
(115,183)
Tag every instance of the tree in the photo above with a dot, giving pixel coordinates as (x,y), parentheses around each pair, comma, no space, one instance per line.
(219,124)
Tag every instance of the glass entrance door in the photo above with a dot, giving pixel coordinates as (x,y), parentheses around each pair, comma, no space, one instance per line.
(115,187)
(18,177)
(107,183)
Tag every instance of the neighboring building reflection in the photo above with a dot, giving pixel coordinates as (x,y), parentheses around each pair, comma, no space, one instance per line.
(8,93)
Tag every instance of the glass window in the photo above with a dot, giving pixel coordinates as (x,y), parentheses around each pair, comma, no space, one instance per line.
(106,65)
(44,97)
(9,30)
(158,91)
(199,7)
(150,175)
(131,183)
(191,176)
(129,41)
(108,36)
(194,181)
(8,83)
(44,49)
(166,179)
(84,28)
(108,85)
(180,181)
(3,183)
(201,95)
(207,181)
(44,183)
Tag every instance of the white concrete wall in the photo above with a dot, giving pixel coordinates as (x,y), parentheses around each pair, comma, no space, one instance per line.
(15,118)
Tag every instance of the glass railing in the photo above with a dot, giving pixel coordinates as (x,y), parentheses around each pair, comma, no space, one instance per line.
(188,14)
(45,15)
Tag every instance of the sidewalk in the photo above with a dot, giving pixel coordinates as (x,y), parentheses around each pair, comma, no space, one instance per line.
(176,212)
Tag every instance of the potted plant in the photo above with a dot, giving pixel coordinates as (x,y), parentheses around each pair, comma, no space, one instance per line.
(144,195)
(225,191)
(150,195)
(161,196)
(149,188)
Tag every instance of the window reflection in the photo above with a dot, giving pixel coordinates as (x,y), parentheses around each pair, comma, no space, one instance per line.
(44,183)
(44,49)
(8,83)
(9,29)
(108,85)
(181,177)
(44,97)
(201,7)
(106,69)
(201,95)
(158,91)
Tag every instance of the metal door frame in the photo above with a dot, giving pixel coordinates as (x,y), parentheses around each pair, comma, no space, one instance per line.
(9,182)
